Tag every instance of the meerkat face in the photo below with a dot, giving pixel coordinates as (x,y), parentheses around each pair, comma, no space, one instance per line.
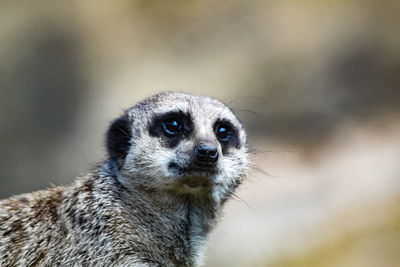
(180,143)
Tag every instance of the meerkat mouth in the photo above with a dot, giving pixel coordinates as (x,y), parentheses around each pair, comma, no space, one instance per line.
(192,178)
(192,170)
(195,182)
(194,185)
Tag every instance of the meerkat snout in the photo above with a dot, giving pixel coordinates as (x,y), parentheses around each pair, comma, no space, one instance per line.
(206,154)
(173,161)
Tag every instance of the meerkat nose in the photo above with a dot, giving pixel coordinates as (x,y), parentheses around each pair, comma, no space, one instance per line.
(206,153)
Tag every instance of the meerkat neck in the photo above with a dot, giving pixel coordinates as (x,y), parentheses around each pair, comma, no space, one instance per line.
(195,214)
(187,219)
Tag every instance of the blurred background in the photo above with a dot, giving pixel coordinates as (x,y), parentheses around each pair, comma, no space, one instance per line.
(316,84)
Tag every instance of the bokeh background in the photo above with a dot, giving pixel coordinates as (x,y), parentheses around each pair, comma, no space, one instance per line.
(315,82)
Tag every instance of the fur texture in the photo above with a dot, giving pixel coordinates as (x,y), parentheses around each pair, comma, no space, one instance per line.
(152,203)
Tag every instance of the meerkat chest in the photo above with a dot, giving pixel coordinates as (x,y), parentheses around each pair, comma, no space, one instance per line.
(162,236)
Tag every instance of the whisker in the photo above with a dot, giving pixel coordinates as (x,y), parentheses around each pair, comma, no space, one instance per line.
(257,151)
(242,200)
(249,111)
(262,100)
(259,170)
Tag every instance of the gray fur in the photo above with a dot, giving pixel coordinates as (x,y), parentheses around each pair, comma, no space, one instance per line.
(133,210)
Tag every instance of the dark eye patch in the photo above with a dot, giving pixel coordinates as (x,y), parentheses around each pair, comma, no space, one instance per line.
(223,132)
(171,127)
(227,135)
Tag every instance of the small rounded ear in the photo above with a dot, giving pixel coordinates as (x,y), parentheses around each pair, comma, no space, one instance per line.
(118,140)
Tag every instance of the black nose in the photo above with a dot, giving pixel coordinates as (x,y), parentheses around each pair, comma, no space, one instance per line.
(206,153)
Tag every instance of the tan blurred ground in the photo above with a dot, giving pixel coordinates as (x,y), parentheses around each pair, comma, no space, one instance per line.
(341,209)
(315,82)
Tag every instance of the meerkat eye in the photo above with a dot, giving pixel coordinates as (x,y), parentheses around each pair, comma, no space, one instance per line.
(223,132)
(172,126)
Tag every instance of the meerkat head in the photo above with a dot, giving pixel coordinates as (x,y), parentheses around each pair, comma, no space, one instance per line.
(179,143)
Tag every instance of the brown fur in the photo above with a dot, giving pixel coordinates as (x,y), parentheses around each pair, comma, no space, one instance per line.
(120,214)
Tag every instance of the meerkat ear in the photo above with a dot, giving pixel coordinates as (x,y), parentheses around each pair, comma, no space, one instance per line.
(118,140)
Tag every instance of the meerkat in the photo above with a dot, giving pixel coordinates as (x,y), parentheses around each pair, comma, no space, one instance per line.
(173,161)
